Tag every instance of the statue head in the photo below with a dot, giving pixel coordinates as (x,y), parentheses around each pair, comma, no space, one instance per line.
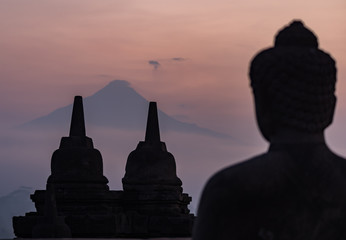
(293,83)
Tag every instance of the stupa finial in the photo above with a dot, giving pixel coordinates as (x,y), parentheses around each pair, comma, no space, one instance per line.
(152,134)
(77,121)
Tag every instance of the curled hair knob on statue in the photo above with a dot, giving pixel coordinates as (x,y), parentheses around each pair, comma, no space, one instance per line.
(294,82)
(297,189)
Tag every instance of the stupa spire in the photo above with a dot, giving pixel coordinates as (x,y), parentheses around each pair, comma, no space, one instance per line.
(152,204)
(77,121)
(152,134)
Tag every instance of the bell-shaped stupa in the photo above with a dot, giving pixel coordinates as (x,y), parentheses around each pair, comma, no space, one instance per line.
(152,191)
(77,171)
(82,196)
(151,165)
(77,164)
(78,201)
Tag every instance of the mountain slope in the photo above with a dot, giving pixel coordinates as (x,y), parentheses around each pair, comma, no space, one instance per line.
(14,204)
(117,105)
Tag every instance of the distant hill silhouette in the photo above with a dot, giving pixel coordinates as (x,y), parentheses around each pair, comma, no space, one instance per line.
(14,204)
(117,105)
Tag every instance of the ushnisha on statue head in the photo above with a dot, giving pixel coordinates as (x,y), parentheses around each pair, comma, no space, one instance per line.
(293,83)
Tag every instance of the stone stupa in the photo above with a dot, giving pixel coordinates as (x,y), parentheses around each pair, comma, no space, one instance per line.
(152,191)
(78,202)
(81,191)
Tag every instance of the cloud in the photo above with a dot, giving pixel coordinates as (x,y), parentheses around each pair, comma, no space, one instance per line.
(154,63)
(178,59)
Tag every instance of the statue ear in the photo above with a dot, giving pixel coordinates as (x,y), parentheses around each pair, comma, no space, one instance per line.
(264,115)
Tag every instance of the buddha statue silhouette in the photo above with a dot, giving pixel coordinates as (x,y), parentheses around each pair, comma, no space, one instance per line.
(297,189)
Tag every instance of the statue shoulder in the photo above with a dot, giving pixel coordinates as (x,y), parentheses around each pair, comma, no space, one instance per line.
(224,196)
(249,171)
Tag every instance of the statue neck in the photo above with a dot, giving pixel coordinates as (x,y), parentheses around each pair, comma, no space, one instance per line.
(291,136)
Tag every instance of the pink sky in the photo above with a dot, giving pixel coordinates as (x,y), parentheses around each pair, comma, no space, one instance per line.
(52,50)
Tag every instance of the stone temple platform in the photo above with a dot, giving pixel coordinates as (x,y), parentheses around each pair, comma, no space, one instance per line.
(107,238)
(78,202)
